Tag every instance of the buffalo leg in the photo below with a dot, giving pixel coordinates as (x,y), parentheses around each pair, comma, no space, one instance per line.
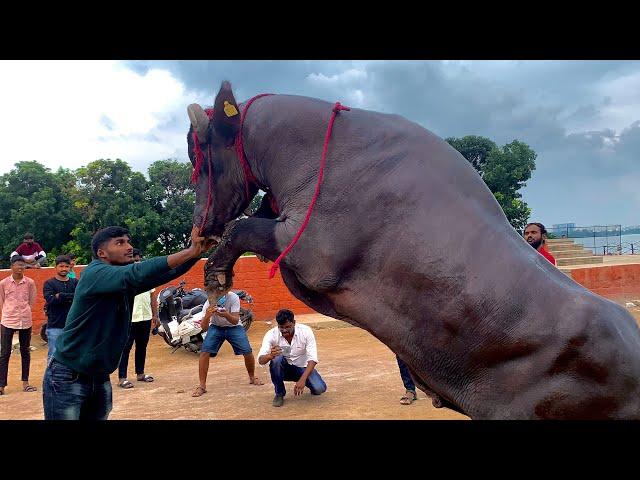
(248,235)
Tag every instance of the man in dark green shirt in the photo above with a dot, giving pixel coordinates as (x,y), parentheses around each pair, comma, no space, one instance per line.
(76,383)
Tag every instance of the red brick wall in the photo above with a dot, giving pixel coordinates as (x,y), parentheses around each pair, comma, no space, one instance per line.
(250,274)
(616,282)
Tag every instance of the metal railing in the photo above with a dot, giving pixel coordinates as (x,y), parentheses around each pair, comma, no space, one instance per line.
(601,239)
(625,248)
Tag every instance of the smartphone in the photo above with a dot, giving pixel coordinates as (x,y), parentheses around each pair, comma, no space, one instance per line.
(286,350)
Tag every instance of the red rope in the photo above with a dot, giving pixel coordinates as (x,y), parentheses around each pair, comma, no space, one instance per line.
(209,194)
(198,151)
(198,166)
(249,177)
(336,109)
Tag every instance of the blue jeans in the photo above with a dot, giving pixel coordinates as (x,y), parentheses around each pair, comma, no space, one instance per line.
(282,372)
(216,336)
(405,375)
(52,336)
(69,395)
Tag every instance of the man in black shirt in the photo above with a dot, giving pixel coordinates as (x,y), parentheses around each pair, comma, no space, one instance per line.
(58,295)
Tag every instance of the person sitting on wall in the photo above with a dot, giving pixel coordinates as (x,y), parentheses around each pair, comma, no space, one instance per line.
(30,252)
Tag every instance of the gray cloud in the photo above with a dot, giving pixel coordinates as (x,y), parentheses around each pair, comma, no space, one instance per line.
(577,115)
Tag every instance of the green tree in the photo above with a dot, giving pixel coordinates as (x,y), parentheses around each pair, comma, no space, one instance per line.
(505,170)
(34,199)
(172,198)
(474,148)
(110,193)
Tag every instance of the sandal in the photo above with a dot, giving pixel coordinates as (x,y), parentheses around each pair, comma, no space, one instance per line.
(256,381)
(408,398)
(146,378)
(126,384)
(199,391)
(29,388)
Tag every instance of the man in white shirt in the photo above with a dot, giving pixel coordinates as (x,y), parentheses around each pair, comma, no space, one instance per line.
(222,322)
(143,318)
(293,355)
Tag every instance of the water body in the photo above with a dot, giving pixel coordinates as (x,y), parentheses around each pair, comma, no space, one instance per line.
(610,244)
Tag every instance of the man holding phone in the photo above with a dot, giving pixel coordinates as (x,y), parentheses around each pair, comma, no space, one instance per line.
(293,356)
(222,322)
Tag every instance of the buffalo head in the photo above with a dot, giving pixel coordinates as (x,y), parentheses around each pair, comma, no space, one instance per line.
(218,176)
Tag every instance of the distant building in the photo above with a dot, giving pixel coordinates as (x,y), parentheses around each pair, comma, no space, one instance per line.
(562,228)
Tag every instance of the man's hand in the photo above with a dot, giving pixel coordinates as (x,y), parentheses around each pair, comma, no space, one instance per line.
(275,351)
(155,322)
(299,386)
(199,244)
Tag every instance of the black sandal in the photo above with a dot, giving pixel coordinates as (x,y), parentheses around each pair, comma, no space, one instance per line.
(409,397)
(126,384)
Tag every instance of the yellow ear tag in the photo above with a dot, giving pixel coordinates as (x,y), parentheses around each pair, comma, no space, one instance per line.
(230,109)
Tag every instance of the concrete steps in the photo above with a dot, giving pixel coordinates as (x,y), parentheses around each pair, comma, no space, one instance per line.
(563,262)
(578,252)
(568,253)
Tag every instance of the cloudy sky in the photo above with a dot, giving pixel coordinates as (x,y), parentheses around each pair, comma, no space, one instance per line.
(581,117)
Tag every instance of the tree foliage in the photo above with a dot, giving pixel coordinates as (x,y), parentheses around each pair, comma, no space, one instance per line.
(505,170)
(64,209)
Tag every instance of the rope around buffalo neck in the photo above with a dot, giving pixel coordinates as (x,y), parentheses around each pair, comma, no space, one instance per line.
(249,177)
(336,109)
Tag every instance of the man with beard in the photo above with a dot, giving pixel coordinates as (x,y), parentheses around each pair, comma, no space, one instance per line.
(76,382)
(535,234)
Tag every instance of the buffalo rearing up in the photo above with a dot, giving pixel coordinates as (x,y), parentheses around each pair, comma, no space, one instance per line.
(407,242)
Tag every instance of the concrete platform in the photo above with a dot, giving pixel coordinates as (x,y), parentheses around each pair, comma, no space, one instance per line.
(607,260)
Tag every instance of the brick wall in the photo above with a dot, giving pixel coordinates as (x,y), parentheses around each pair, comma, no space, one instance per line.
(250,274)
(616,282)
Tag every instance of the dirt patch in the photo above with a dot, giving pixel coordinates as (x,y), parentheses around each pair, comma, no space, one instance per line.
(361,374)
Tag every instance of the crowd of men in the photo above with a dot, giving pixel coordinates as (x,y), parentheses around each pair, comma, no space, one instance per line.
(114,300)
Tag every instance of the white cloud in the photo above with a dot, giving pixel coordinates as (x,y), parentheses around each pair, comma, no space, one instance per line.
(55,112)
(347,77)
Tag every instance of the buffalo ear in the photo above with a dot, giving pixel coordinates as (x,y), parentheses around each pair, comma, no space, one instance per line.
(226,114)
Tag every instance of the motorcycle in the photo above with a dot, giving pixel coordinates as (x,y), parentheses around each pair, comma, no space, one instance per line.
(180,313)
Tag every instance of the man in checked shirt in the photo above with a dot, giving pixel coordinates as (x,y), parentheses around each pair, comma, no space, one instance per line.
(17,296)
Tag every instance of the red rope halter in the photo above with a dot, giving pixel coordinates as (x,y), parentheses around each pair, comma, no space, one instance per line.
(197,167)
(336,109)
(249,177)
